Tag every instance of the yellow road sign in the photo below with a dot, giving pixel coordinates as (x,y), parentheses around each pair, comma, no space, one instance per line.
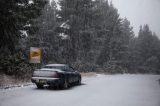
(35,55)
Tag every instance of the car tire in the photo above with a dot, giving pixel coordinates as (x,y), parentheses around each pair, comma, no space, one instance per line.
(65,84)
(79,81)
(39,86)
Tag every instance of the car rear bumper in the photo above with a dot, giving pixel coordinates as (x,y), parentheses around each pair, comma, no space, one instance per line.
(46,81)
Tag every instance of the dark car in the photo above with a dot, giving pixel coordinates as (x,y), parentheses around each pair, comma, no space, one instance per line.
(60,75)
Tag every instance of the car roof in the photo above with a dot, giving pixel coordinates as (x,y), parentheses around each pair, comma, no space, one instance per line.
(56,65)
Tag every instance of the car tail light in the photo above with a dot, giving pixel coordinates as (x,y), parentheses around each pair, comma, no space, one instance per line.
(56,75)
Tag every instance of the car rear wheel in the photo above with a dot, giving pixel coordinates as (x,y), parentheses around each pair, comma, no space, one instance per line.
(79,81)
(65,84)
(39,86)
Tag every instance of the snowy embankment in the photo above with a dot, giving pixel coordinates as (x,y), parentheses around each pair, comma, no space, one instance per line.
(7,82)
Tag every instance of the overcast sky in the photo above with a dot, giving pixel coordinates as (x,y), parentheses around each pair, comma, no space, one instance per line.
(140,12)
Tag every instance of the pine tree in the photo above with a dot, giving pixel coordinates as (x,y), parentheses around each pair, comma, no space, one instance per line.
(127,39)
(77,14)
(16,16)
(112,32)
(147,48)
(46,37)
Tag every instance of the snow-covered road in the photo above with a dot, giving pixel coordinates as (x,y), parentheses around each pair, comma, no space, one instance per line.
(102,90)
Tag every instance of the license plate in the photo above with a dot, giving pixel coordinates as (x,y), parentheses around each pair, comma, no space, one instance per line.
(42,81)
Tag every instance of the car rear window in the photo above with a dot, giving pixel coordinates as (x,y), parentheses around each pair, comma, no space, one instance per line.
(64,68)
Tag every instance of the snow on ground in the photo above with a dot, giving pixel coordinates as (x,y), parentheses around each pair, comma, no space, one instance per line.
(100,90)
